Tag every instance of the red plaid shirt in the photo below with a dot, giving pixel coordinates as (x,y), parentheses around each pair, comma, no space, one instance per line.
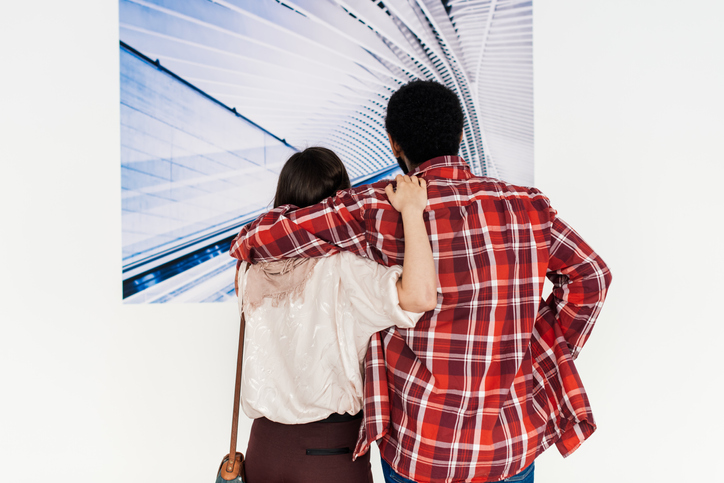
(486,381)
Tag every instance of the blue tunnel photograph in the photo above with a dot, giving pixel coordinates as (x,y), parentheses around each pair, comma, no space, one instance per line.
(217,94)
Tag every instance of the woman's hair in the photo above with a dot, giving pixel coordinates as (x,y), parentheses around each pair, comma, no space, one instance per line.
(310,176)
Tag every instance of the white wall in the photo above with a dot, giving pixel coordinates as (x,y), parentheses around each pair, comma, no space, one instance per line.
(628,123)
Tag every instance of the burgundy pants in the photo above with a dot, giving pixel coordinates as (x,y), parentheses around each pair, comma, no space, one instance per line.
(319,452)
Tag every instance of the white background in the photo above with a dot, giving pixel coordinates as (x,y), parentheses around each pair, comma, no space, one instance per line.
(629,124)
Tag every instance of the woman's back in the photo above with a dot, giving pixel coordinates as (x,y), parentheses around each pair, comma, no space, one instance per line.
(308,324)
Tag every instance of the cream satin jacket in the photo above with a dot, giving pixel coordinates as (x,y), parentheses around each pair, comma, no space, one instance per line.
(303,353)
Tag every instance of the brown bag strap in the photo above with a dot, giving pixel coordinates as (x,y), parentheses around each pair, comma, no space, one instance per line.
(237,388)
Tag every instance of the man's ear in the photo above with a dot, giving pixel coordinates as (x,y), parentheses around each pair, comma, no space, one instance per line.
(396,149)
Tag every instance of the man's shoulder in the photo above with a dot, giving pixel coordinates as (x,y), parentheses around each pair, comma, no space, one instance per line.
(506,186)
(489,187)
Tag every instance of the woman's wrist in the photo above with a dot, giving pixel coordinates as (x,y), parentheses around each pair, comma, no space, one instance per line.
(411,213)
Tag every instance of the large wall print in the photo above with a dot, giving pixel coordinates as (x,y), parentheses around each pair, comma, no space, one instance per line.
(216,94)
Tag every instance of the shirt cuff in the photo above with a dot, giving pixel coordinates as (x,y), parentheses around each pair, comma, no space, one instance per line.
(574,437)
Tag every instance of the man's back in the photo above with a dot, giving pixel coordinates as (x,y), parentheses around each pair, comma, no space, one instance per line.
(485,382)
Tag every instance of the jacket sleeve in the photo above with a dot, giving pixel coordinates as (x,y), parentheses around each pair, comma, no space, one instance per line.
(371,289)
(580,282)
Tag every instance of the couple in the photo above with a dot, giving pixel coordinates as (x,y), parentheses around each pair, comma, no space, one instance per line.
(470,384)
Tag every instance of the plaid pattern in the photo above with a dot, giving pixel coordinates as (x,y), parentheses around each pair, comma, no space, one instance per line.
(486,381)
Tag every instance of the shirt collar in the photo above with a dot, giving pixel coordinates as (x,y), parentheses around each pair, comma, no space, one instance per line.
(451,167)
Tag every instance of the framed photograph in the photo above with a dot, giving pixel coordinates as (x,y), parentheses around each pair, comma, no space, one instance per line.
(216,95)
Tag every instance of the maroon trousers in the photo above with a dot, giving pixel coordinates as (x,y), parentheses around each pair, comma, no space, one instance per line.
(319,452)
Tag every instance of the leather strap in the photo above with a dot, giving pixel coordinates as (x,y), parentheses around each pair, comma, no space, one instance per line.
(237,388)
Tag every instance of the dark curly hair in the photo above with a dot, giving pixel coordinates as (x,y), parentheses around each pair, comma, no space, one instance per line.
(310,176)
(426,120)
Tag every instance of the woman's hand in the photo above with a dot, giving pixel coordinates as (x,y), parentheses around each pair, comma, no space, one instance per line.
(411,194)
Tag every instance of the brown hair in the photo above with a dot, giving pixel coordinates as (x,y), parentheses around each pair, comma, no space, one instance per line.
(310,176)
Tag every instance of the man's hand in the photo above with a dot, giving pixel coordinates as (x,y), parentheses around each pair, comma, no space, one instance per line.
(410,196)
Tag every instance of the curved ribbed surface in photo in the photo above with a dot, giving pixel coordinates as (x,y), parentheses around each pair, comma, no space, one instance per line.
(320,72)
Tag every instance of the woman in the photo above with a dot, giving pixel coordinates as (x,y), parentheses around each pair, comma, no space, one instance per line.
(308,324)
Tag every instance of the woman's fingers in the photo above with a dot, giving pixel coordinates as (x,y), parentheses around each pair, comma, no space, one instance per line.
(390,191)
(409,179)
(410,193)
(416,181)
(413,181)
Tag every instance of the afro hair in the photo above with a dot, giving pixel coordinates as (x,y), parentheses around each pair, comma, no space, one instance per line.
(426,120)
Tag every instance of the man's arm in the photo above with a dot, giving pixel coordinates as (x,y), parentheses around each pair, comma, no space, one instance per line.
(334,224)
(580,283)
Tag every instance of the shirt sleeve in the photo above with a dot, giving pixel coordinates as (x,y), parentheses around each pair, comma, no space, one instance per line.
(372,293)
(580,282)
(334,224)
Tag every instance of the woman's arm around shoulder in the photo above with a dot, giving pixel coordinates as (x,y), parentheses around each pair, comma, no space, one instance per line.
(417,288)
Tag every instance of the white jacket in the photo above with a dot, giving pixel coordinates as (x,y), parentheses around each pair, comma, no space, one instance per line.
(303,358)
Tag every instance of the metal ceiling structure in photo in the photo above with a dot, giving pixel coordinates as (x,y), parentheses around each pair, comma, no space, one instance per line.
(321,71)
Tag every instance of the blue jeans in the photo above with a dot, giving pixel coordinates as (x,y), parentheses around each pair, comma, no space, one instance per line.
(525,476)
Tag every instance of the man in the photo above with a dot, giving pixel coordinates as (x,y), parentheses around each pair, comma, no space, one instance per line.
(486,381)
